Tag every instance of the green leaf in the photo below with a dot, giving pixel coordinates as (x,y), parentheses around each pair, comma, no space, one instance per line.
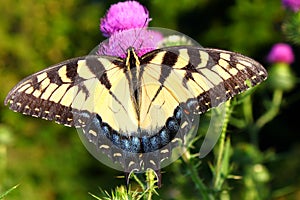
(8,191)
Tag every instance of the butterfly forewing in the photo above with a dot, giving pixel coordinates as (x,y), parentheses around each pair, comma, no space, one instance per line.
(211,76)
(58,92)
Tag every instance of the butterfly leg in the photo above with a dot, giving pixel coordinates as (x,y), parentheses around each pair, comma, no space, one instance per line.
(158,177)
(127,177)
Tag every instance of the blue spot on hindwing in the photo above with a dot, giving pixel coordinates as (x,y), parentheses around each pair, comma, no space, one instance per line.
(164,137)
(115,138)
(135,144)
(172,125)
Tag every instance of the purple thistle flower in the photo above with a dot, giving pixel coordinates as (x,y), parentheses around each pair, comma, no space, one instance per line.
(293,5)
(123,16)
(142,40)
(281,53)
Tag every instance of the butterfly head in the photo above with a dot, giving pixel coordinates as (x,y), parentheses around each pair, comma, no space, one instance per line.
(132,58)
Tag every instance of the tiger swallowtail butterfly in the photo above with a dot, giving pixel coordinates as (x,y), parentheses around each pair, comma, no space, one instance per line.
(131,107)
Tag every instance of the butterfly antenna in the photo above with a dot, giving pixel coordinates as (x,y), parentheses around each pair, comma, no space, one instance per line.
(139,34)
(123,50)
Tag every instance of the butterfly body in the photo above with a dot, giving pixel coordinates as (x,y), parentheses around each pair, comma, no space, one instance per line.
(137,105)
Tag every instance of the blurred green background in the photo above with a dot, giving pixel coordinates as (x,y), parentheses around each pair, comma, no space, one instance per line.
(49,161)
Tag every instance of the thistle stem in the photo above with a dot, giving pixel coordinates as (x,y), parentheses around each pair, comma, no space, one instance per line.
(195,176)
(273,111)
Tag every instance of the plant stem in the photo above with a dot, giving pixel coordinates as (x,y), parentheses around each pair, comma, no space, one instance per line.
(248,109)
(273,111)
(220,156)
(150,181)
(195,176)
